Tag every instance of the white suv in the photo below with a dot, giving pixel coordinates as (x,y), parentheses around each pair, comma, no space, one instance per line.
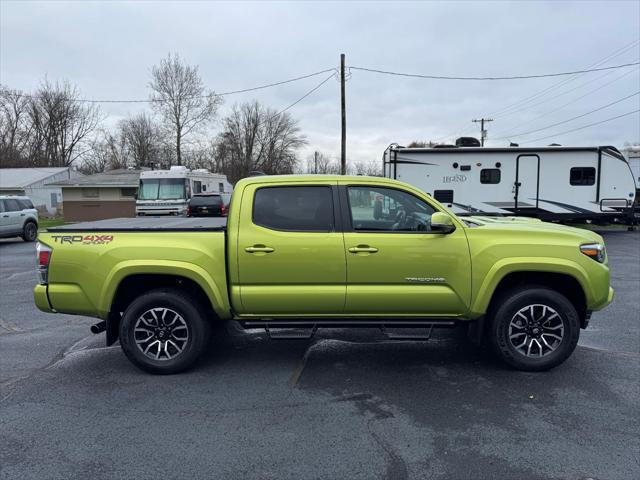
(18,218)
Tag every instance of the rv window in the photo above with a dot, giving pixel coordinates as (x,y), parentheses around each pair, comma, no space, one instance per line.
(443,196)
(197,186)
(489,175)
(582,176)
(221,187)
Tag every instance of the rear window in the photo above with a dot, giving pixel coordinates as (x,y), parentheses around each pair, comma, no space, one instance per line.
(25,204)
(308,209)
(205,200)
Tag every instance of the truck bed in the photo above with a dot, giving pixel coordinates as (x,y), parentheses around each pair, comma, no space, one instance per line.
(146,224)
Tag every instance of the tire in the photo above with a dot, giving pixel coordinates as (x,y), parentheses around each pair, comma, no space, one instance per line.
(158,323)
(29,232)
(545,320)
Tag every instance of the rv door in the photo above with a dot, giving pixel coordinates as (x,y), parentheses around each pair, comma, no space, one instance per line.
(526,186)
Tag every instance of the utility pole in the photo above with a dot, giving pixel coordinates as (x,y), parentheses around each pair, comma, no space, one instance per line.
(483,132)
(315,162)
(343,149)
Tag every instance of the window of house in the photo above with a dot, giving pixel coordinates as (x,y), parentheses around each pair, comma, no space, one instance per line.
(294,208)
(128,192)
(490,175)
(582,176)
(91,192)
(54,200)
(387,209)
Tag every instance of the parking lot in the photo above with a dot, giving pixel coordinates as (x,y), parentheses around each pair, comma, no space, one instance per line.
(344,405)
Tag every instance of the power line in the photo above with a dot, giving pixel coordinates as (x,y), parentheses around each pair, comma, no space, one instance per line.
(567,120)
(148,100)
(518,77)
(586,126)
(571,101)
(301,98)
(524,101)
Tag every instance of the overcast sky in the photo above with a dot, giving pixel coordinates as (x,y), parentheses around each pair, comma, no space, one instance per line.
(107,49)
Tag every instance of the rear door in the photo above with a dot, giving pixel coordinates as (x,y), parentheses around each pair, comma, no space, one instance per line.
(395,264)
(13,216)
(291,258)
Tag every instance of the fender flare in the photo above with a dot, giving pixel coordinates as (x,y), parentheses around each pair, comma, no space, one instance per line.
(504,267)
(216,294)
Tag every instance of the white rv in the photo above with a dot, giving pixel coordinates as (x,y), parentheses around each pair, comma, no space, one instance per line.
(166,192)
(551,183)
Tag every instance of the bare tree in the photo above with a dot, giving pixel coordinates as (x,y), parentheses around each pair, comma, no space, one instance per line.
(14,128)
(180,97)
(322,163)
(371,169)
(107,152)
(60,123)
(257,138)
(142,138)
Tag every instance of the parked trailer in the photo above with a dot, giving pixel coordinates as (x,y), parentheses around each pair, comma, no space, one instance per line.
(551,183)
(166,192)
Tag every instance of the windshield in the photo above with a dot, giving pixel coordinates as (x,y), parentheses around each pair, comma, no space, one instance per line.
(162,189)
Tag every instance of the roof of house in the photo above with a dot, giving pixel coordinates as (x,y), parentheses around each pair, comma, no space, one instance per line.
(112,178)
(17,178)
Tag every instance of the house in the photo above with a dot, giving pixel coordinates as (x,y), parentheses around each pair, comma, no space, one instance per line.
(110,194)
(36,183)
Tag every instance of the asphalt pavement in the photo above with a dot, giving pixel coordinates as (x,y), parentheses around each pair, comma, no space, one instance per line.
(346,405)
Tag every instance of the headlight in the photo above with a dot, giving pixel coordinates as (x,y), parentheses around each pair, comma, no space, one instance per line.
(594,250)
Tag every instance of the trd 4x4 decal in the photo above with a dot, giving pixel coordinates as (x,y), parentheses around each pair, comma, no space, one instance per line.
(83,239)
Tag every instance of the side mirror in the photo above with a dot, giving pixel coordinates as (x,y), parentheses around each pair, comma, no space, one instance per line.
(442,223)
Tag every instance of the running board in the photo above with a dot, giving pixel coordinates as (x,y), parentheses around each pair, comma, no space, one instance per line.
(311,326)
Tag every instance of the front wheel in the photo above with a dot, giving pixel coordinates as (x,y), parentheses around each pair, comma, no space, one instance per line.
(534,328)
(163,331)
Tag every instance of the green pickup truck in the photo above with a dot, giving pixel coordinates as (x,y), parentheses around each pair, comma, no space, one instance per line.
(326,251)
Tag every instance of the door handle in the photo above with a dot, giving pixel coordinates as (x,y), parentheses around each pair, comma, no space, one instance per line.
(363,249)
(259,249)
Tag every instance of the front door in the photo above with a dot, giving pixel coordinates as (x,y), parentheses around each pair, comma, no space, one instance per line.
(395,264)
(291,258)
(526,184)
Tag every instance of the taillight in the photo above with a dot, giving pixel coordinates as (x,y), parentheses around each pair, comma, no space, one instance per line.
(188,211)
(44,257)
(222,211)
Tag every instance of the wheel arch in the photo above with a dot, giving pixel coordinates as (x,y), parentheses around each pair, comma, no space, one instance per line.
(563,283)
(130,283)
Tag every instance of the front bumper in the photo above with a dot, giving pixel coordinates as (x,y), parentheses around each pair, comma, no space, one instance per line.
(41,299)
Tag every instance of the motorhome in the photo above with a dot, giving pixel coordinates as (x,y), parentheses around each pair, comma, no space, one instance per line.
(166,192)
(553,183)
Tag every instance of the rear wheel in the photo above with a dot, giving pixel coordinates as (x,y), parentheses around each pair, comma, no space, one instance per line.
(164,331)
(29,232)
(534,328)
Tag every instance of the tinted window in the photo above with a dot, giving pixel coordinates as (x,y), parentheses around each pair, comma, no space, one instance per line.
(582,176)
(128,192)
(26,204)
(12,205)
(387,209)
(205,200)
(1,205)
(294,208)
(490,175)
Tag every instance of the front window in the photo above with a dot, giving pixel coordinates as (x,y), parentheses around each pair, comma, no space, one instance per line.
(376,209)
(162,189)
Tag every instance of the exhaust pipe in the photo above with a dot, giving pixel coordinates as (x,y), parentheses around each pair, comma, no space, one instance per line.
(99,327)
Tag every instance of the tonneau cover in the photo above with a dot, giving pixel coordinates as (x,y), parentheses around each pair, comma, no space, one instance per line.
(146,224)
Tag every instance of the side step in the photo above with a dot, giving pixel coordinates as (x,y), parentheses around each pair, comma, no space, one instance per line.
(307,328)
